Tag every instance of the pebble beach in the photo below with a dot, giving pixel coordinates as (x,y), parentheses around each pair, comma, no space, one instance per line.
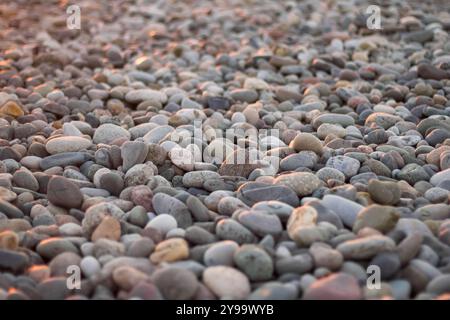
(239,149)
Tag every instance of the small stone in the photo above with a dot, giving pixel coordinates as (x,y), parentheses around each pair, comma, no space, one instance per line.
(382,218)
(163,223)
(127,277)
(298,264)
(163,203)
(261,223)
(229,229)
(170,250)
(306,142)
(64,159)
(254,262)
(413,173)
(11,211)
(337,286)
(61,263)
(62,192)
(96,213)
(303,229)
(12,261)
(7,195)
(275,291)
(9,240)
(348,166)
(198,210)
(220,253)
(51,247)
(346,210)
(182,158)
(325,256)
(440,177)
(25,179)
(139,174)
(253,192)
(226,282)
(108,132)
(133,152)
(67,144)
(388,262)
(367,247)
(176,283)
(303,183)
(11,108)
(109,228)
(90,266)
(384,192)
(139,95)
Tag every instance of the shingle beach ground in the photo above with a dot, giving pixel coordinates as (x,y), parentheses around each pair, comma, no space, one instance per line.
(235,149)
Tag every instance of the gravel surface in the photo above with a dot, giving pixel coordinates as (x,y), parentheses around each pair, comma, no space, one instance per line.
(224,150)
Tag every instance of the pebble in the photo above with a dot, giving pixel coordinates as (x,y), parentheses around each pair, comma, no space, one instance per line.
(302,183)
(67,144)
(163,203)
(254,262)
(367,247)
(326,257)
(220,253)
(381,218)
(384,192)
(306,142)
(261,223)
(12,261)
(228,229)
(109,228)
(163,223)
(254,192)
(107,133)
(337,286)
(348,166)
(50,248)
(170,250)
(176,283)
(346,210)
(122,158)
(226,282)
(132,153)
(62,192)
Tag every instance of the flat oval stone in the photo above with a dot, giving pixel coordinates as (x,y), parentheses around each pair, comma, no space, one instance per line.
(65,159)
(226,282)
(303,183)
(67,144)
(62,192)
(367,247)
(109,132)
(163,203)
(253,192)
(338,286)
(254,262)
(261,223)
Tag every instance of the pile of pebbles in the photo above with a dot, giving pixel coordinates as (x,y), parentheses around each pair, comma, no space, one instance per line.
(101,170)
